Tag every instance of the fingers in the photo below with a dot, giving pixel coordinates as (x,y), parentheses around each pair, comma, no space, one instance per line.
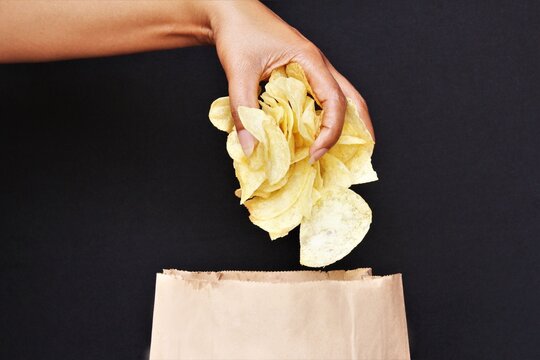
(332,100)
(243,91)
(350,91)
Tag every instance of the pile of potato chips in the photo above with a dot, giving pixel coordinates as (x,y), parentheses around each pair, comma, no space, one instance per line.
(279,186)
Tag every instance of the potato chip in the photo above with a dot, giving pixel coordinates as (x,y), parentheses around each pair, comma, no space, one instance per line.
(281,224)
(308,120)
(279,186)
(260,125)
(294,70)
(279,158)
(282,199)
(350,140)
(301,154)
(266,187)
(234,148)
(249,180)
(253,119)
(334,172)
(220,114)
(339,221)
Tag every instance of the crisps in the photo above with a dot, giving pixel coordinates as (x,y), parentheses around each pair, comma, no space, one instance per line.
(220,114)
(279,186)
(339,221)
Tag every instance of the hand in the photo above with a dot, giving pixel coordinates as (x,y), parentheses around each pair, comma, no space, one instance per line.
(251,41)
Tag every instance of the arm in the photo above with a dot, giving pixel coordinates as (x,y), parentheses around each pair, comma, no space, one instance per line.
(250,40)
(55,30)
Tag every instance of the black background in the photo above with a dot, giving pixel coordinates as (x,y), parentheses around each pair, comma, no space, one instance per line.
(112,171)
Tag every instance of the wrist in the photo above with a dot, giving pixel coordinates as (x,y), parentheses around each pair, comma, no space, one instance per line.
(231,13)
(191,22)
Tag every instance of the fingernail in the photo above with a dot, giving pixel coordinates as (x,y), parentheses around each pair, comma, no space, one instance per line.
(317,155)
(247,141)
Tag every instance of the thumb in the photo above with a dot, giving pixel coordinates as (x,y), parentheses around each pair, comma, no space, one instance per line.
(243,91)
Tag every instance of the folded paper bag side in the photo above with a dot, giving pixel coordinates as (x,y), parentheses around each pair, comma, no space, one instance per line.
(362,318)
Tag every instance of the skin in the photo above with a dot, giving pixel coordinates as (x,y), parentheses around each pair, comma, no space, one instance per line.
(250,40)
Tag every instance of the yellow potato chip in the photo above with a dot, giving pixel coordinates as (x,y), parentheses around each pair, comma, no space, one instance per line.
(276,112)
(234,148)
(282,199)
(343,152)
(249,180)
(280,225)
(350,140)
(300,154)
(294,70)
(308,121)
(263,194)
(220,114)
(266,187)
(360,167)
(277,73)
(334,172)
(279,156)
(260,125)
(353,118)
(252,119)
(339,222)
(318,184)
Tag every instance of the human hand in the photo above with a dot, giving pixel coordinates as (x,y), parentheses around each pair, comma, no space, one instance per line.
(251,41)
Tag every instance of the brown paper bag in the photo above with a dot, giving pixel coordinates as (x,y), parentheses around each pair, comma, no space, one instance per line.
(279,315)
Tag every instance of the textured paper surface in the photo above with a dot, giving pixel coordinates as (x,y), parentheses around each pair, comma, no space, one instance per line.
(279,315)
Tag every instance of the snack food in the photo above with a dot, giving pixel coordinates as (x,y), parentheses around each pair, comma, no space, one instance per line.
(279,186)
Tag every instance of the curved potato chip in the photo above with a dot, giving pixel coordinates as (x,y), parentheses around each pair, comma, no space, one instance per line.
(294,70)
(220,114)
(269,100)
(315,196)
(277,73)
(343,152)
(266,187)
(296,95)
(279,156)
(318,184)
(308,120)
(334,172)
(264,194)
(282,224)
(249,180)
(355,147)
(356,122)
(282,199)
(274,111)
(234,149)
(338,223)
(255,161)
(278,89)
(252,119)
(361,168)
(350,140)
(301,154)
(261,126)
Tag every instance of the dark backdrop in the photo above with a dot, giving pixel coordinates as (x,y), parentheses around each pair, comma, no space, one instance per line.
(112,171)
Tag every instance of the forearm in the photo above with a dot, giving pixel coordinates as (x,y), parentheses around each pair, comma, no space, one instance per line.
(54,30)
